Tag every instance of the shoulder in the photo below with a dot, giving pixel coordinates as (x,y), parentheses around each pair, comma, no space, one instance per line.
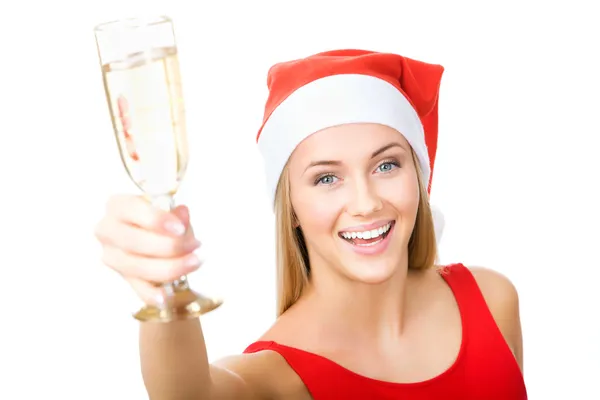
(496,287)
(261,375)
(502,299)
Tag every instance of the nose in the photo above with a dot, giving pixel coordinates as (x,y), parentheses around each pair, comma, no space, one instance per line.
(364,199)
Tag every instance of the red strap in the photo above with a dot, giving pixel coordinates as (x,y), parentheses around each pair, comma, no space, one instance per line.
(476,316)
(468,296)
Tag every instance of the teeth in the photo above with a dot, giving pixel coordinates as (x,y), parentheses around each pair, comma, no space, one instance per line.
(373,233)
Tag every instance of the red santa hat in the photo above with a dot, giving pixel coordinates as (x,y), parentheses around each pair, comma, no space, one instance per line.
(350,86)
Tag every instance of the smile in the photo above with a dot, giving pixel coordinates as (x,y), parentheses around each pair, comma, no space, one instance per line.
(367,238)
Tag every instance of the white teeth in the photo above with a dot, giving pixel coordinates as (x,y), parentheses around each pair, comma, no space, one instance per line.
(367,234)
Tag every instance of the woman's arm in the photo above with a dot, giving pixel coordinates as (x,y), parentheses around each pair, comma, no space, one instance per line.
(175,367)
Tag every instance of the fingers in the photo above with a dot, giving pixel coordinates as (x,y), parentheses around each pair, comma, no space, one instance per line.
(142,242)
(151,270)
(183,213)
(137,211)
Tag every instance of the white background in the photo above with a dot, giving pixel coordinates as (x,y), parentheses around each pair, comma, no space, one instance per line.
(517,173)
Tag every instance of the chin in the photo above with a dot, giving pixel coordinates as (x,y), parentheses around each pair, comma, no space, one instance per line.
(370,273)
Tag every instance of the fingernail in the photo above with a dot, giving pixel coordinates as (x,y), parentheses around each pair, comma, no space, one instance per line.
(191,261)
(175,228)
(192,245)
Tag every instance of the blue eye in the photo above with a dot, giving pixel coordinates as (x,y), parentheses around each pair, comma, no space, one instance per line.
(325,180)
(387,166)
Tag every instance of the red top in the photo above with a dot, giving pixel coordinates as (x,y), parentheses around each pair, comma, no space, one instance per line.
(485,368)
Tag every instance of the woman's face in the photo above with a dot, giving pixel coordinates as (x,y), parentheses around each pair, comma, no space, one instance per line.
(355,193)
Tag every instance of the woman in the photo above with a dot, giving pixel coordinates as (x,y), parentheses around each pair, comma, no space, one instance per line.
(349,139)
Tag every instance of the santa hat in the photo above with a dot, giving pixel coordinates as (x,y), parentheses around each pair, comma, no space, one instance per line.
(350,86)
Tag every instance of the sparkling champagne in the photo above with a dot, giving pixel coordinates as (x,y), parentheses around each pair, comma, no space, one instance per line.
(148,115)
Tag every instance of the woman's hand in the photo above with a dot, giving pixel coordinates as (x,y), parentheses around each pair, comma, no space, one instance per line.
(147,246)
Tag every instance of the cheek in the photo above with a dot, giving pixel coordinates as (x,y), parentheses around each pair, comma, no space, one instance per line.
(316,216)
(403,194)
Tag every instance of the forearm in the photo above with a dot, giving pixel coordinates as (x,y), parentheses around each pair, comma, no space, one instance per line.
(174,361)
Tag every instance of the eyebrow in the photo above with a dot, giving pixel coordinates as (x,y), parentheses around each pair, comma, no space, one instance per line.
(375,154)
(385,148)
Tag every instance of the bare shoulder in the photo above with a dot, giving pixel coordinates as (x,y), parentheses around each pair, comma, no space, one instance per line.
(497,289)
(502,299)
(256,376)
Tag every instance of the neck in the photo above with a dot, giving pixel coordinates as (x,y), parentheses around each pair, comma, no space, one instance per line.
(357,310)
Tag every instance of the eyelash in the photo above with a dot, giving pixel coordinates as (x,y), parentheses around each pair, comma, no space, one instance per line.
(321,177)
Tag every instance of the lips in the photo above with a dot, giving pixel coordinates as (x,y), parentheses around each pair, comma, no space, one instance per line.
(367,237)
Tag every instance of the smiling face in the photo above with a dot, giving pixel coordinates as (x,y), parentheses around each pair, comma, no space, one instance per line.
(355,192)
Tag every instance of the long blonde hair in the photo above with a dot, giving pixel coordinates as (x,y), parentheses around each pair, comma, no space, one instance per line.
(293,266)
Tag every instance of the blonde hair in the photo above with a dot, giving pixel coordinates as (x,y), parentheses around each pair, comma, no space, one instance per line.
(293,266)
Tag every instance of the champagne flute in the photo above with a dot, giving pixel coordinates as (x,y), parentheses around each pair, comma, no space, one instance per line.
(140,70)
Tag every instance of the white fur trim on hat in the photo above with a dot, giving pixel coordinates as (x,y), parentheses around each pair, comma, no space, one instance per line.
(438,222)
(331,101)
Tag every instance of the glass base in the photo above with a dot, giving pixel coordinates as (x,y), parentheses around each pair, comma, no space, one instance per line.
(182,305)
